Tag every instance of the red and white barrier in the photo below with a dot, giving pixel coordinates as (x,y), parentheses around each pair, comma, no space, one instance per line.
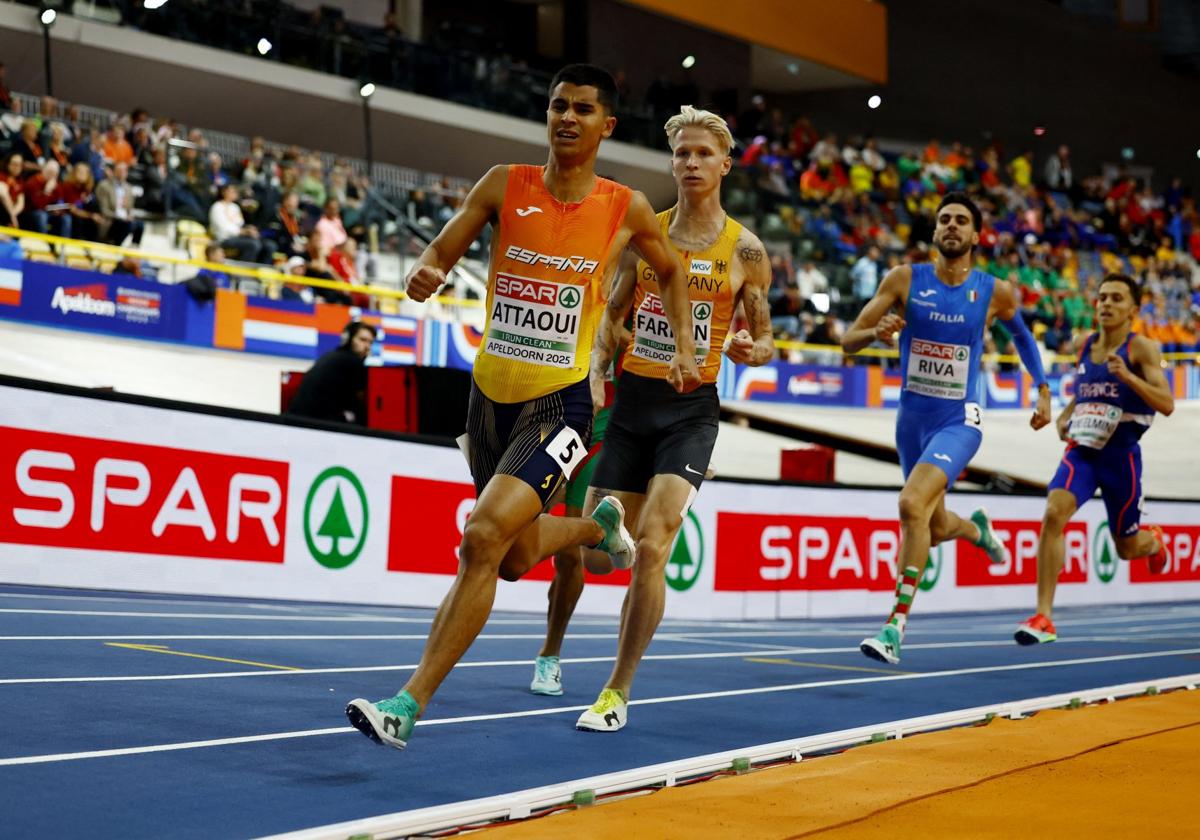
(107,494)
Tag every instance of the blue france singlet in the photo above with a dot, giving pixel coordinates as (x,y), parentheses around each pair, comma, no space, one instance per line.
(942,344)
(1108,413)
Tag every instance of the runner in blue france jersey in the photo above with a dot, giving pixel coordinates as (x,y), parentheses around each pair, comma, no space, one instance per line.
(1119,385)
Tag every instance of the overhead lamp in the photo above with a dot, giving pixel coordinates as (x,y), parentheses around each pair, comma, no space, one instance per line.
(264,46)
(367,90)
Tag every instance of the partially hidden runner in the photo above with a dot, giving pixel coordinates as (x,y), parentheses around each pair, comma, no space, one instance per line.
(1119,385)
(940,311)
(558,231)
(660,441)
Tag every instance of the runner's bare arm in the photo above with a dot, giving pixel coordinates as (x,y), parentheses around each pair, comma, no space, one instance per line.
(1004,306)
(755,346)
(877,322)
(1064,420)
(611,328)
(1152,385)
(647,238)
(480,207)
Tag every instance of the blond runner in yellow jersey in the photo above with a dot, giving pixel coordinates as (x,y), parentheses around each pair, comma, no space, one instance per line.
(659,441)
(559,230)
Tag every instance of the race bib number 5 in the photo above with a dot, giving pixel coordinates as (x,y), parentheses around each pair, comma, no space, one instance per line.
(567,450)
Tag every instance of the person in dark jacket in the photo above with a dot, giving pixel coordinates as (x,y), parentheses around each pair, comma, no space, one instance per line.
(335,386)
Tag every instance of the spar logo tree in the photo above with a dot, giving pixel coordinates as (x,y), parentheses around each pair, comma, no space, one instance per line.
(335,530)
(687,555)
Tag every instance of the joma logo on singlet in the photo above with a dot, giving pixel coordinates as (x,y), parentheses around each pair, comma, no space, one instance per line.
(579,265)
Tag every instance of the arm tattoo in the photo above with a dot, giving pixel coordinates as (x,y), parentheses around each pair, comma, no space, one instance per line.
(750,253)
(758,313)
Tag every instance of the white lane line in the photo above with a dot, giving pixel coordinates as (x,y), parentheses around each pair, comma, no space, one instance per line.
(678,698)
(491,663)
(357,669)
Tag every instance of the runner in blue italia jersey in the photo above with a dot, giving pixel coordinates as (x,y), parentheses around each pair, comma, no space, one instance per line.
(1119,385)
(940,311)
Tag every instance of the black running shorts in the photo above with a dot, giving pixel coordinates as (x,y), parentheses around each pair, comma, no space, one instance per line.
(538,441)
(653,431)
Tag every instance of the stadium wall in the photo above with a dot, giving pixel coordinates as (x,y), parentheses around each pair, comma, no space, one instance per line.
(98,491)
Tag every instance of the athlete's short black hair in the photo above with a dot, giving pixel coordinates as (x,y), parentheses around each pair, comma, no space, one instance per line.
(1135,290)
(589,74)
(962,198)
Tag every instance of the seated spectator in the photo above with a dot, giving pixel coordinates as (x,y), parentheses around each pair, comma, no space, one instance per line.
(116,148)
(130,266)
(335,387)
(44,209)
(115,199)
(89,150)
(343,261)
(164,191)
(286,229)
(6,100)
(191,174)
(228,227)
(12,189)
(215,176)
(27,146)
(329,231)
(57,148)
(318,268)
(810,280)
(298,292)
(203,286)
(78,193)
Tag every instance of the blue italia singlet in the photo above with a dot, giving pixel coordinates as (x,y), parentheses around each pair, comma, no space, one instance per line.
(941,417)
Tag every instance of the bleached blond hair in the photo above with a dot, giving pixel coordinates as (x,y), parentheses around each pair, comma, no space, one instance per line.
(689,116)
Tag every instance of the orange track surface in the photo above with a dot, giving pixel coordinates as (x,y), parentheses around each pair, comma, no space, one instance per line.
(1125,769)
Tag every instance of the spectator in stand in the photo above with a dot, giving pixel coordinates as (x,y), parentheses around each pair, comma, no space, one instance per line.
(43,194)
(329,231)
(116,148)
(810,281)
(318,269)
(753,121)
(872,157)
(78,193)
(215,178)
(191,175)
(164,193)
(88,150)
(298,292)
(1021,169)
(1059,177)
(286,230)
(865,274)
(12,189)
(56,147)
(203,286)
(312,183)
(827,149)
(343,262)
(27,146)
(115,199)
(143,146)
(804,137)
(335,387)
(228,227)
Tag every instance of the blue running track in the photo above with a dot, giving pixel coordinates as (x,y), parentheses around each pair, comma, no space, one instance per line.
(106,731)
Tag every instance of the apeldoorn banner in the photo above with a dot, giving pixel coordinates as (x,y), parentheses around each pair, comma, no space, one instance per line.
(103,493)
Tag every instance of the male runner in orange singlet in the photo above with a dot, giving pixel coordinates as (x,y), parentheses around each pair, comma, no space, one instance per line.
(659,442)
(558,230)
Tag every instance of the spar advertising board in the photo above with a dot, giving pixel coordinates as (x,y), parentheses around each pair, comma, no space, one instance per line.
(104,493)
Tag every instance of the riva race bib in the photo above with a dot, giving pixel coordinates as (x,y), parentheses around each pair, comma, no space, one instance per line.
(535,321)
(652,336)
(938,370)
(1093,423)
